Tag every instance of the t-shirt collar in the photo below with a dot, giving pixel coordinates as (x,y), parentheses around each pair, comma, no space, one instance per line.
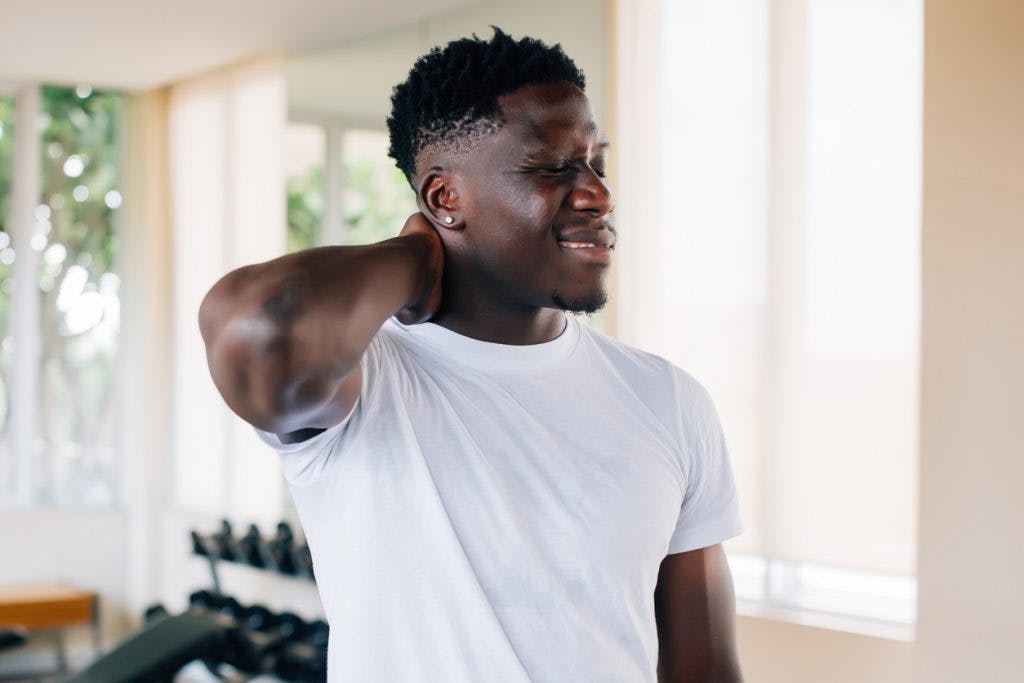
(488,356)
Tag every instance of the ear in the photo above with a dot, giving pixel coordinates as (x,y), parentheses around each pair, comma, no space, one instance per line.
(439,198)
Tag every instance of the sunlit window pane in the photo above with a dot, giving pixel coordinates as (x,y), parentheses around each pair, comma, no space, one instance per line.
(787,274)
(376,198)
(74,234)
(305,149)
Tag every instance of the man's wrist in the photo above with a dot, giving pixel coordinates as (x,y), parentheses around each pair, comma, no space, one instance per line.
(424,254)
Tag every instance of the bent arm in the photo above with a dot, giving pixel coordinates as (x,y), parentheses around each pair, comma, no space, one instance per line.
(695,610)
(284,338)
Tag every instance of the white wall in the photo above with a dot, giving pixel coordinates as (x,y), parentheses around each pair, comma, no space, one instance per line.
(354,81)
(972,426)
(81,547)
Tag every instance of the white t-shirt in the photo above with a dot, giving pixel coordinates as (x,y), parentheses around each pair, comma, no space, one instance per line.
(499,513)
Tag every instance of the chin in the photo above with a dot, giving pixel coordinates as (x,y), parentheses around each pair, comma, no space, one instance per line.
(590,303)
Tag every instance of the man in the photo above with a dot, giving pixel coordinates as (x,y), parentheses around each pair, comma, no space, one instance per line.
(499,494)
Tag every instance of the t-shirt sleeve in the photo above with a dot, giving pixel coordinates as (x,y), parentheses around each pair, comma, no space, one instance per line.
(307,461)
(303,462)
(710,508)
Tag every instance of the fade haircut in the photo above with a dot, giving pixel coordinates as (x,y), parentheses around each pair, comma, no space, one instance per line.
(450,97)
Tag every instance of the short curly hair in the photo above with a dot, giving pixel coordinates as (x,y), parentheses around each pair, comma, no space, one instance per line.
(450,97)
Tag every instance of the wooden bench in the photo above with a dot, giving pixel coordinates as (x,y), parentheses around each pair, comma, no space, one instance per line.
(50,608)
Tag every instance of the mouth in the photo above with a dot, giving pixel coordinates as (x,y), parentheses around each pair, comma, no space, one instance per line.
(594,245)
(577,245)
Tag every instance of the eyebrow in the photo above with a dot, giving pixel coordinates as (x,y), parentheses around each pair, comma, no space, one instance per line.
(541,152)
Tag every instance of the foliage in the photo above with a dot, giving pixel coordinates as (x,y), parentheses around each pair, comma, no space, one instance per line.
(375,201)
(6,163)
(305,205)
(75,238)
(85,127)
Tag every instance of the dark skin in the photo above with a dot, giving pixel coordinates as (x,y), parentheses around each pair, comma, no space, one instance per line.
(529,237)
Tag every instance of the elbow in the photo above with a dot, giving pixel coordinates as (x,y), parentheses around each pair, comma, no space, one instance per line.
(249,362)
(259,370)
(259,352)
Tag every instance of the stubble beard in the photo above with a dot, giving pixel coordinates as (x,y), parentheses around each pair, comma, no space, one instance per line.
(588,305)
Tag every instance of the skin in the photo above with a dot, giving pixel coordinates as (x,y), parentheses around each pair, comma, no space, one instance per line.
(511,198)
(529,236)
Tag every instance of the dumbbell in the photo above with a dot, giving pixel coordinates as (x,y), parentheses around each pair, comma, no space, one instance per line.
(253,650)
(200,545)
(11,637)
(317,633)
(261,634)
(207,601)
(304,561)
(256,618)
(154,613)
(224,542)
(252,549)
(282,549)
(303,658)
(301,663)
(245,648)
(288,626)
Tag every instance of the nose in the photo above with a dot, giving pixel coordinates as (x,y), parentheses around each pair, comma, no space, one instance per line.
(591,194)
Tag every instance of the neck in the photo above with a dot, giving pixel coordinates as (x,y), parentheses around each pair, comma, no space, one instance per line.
(471,312)
(543,326)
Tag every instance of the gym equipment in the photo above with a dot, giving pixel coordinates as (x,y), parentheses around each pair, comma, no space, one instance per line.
(217,630)
(12,637)
(224,542)
(282,549)
(153,613)
(158,651)
(252,549)
(47,609)
(279,553)
(304,562)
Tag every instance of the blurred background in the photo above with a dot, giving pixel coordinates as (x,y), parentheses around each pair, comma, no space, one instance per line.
(821,211)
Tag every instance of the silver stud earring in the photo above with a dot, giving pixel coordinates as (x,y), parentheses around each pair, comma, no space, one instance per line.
(448,220)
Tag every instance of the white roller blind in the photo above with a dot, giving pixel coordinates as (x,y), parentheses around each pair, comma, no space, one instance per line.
(225,145)
(784,273)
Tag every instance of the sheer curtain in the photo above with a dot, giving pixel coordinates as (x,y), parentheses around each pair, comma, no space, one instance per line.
(769,176)
(227,177)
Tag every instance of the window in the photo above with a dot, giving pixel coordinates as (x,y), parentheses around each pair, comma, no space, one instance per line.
(305,151)
(6,284)
(771,156)
(366,200)
(376,198)
(60,306)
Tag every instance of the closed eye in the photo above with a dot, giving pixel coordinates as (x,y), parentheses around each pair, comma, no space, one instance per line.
(558,169)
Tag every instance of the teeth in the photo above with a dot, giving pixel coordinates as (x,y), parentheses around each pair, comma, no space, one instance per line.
(577,245)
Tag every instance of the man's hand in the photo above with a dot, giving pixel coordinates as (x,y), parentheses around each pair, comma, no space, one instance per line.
(426,305)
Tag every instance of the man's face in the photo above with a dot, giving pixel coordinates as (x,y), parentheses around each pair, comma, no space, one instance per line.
(535,204)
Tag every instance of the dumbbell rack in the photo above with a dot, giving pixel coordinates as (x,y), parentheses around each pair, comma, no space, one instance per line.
(279,553)
(235,641)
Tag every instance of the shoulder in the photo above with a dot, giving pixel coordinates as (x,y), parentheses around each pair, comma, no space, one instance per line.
(623,355)
(656,380)
(649,368)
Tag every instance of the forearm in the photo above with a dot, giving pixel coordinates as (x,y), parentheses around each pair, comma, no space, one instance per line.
(282,335)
